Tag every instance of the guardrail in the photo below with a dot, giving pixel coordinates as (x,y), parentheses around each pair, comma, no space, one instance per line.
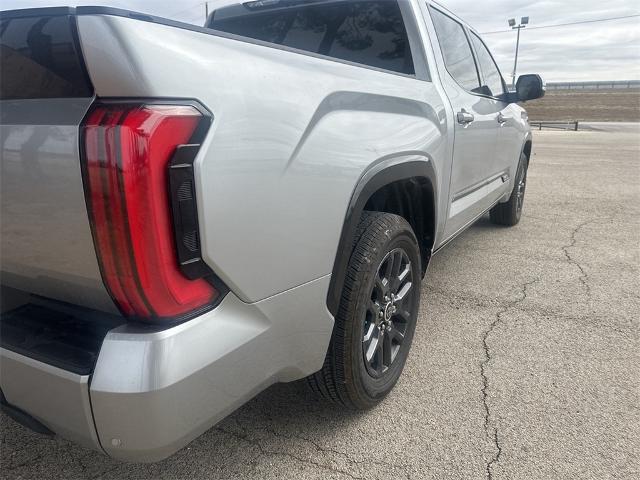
(593,85)
(556,125)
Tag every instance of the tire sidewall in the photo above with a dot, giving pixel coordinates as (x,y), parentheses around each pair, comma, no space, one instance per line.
(522,170)
(366,387)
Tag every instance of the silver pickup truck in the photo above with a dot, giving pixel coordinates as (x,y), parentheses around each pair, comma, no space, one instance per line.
(191,214)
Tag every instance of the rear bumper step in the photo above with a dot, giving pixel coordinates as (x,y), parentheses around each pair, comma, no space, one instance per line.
(65,337)
(48,351)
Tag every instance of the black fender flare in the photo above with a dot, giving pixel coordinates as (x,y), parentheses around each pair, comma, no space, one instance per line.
(528,138)
(371,181)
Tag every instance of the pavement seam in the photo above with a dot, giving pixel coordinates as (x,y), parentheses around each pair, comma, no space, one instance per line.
(492,431)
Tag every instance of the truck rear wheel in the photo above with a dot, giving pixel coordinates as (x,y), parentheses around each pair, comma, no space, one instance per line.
(377,316)
(509,213)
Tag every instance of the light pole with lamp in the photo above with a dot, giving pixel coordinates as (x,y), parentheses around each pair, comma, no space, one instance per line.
(524,21)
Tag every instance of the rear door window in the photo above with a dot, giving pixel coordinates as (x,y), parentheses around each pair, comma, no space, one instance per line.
(456,50)
(371,33)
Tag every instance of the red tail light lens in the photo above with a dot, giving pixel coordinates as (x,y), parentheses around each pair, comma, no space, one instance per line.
(127,149)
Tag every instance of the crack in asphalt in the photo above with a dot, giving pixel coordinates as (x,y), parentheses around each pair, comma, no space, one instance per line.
(345,455)
(492,431)
(325,450)
(264,451)
(77,461)
(108,470)
(12,467)
(584,276)
(84,468)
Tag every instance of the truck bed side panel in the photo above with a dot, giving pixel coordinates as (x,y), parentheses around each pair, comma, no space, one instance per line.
(291,136)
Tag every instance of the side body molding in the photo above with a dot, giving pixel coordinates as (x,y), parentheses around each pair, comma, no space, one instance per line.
(380,174)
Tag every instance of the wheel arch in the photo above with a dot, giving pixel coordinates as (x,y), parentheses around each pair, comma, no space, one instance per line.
(392,189)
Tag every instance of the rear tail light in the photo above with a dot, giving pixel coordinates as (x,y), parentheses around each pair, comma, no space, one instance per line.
(128,149)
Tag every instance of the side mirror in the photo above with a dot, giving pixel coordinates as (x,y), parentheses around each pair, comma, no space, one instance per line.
(529,87)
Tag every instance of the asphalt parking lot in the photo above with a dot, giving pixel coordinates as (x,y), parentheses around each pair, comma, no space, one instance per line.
(525,364)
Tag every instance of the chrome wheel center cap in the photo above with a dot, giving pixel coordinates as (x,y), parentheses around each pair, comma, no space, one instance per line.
(389,310)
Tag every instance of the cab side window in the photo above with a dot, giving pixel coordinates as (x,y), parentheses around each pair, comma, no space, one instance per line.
(493,84)
(457,53)
(370,33)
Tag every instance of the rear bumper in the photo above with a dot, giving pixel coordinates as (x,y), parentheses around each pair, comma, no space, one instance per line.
(152,392)
(57,398)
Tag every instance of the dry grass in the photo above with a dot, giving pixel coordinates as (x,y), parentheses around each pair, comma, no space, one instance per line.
(621,105)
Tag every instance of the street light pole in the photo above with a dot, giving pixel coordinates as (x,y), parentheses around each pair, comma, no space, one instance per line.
(524,21)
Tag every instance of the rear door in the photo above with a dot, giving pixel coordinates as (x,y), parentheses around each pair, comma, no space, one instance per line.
(476,172)
(47,248)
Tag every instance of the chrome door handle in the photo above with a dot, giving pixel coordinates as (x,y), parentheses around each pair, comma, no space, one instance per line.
(465,118)
(502,119)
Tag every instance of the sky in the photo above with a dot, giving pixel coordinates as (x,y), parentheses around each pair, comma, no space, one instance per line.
(592,51)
